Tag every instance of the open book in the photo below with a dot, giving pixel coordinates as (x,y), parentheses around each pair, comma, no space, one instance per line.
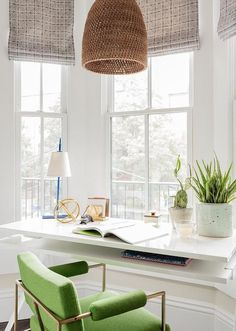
(131,232)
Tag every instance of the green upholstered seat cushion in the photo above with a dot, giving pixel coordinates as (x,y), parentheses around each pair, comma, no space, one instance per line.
(136,320)
(56,292)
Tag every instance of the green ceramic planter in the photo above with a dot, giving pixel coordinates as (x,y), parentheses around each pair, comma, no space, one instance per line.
(214,220)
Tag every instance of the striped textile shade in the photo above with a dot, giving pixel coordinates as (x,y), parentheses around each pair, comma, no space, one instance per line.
(172,25)
(41,31)
(227,22)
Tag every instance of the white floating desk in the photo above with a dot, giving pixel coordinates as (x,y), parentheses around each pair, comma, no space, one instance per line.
(213,259)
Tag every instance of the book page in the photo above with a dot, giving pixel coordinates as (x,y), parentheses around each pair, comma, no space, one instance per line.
(139,233)
(105,226)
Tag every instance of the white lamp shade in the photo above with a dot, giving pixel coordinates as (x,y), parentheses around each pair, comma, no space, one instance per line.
(59,165)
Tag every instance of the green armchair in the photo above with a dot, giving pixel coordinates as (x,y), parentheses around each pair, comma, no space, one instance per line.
(54,302)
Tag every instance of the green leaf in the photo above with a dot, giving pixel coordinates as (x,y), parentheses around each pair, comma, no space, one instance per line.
(178,164)
(201,173)
(187,184)
(232,198)
(218,166)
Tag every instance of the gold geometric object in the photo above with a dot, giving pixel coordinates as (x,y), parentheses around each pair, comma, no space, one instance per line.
(115,38)
(67,210)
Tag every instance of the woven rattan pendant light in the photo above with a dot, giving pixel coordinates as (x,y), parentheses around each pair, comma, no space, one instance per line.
(115,38)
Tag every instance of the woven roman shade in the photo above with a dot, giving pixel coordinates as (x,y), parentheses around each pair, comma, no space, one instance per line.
(41,31)
(227,21)
(172,25)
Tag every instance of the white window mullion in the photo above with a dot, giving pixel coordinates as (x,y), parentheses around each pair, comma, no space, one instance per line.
(191,81)
(17,87)
(146,186)
(41,87)
(190,119)
(150,83)
(110,94)
(65,147)
(41,164)
(64,107)
(18,181)
(110,164)
(152,112)
(64,91)
(41,142)
(147,203)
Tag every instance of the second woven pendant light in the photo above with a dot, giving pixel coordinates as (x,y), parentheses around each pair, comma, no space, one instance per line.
(115,38)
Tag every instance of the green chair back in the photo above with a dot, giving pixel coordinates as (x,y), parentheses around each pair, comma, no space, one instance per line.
(56,292)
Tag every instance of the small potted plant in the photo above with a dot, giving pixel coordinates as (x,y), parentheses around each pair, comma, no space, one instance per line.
(215,191)
(181,215)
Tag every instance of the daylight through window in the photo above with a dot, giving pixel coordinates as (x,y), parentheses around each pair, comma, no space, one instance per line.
(41,122)
(149,116)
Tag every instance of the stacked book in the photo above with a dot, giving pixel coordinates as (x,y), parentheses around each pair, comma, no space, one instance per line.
(151,257)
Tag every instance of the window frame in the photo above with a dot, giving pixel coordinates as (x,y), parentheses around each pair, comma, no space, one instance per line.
(42,116)
(108,104)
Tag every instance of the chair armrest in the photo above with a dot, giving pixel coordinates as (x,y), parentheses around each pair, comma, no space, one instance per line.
(117,305)
(71,269)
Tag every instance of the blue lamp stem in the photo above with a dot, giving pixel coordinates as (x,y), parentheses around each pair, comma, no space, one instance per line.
(60,146)
(58,189)
(58,178)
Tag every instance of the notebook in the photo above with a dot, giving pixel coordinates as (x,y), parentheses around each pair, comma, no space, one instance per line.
(130,232)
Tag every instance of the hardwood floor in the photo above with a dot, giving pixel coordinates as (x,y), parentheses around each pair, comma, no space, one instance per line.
(23,325)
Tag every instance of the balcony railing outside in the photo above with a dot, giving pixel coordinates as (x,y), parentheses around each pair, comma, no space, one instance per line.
(128,198)
(31,197)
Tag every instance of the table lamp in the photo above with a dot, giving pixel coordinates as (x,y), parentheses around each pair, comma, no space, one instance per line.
(59,166)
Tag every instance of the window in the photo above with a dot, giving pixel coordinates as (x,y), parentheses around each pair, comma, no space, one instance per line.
(150,115)
(41,122)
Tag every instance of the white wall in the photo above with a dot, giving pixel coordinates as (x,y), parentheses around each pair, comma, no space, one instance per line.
(203,87)
(223,78)
(86,126)
(7,195)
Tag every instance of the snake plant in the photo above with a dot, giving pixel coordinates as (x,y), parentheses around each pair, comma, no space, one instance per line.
(211,185)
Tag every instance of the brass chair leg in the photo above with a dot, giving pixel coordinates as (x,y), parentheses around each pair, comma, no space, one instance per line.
(163,312)
(103,265)
(39,316)
(16,308)
(104,278)
(58,326)
(161,294)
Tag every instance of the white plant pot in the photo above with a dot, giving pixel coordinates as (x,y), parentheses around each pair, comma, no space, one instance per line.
(182,220)
(179,215)
(214,220)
